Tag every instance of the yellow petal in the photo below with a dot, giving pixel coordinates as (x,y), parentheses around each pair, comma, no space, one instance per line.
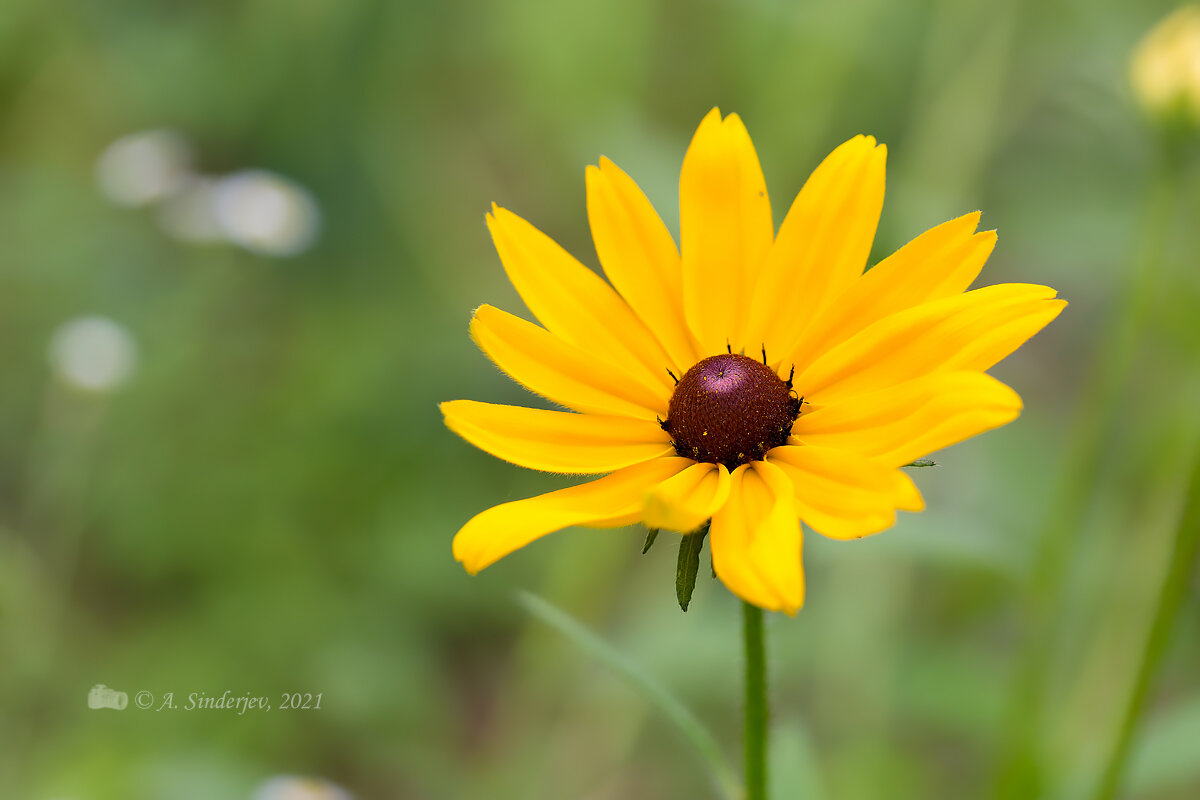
(545,364)
(968,332)
(683,502)
(575,303)
(910,420)
(755,539)
(610,502)
(726,229)
(640,258)
(844,495)
(556,441)
(942,262)
(822,245)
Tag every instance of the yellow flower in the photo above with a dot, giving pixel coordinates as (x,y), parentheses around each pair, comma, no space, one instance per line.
(1165,69)
(847,376)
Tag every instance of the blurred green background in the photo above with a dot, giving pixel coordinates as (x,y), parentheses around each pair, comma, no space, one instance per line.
(233,474)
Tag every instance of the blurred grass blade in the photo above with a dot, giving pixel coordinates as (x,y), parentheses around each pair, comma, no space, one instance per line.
(683,719)
(1024,761)
(1171,598)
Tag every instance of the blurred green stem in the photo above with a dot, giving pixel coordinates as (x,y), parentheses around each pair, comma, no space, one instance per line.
(1170,598)
(1021,770)
(756,703)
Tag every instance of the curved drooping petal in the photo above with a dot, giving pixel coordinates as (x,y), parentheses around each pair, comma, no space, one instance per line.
(967,332)
(941,262)
(683,502)
(575,303)
(822,246)
(640,258)
(545,364)
(912,419)
(844,495)
(725,231)
(756,541)
(613,501)
(557,441)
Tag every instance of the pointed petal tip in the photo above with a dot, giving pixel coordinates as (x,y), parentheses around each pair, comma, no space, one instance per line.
(501,214)
(609,169)
(879,154)
(910,498)
(711,120)
(785,605)
(604,170)
(479,316)
(861,141)
(470,549)
(734,120)
(1010,399)
(469,563)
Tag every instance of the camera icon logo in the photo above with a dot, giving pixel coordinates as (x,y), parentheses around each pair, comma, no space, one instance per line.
(100,696)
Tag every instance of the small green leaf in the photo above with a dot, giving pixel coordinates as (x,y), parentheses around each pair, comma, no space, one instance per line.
(651,535)
(922,462)
(688,564)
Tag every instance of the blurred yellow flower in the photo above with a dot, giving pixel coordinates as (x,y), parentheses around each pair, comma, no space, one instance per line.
(850,375)
(1166,67)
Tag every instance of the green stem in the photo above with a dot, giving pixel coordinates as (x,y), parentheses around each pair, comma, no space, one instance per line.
(1170,598)
(756,703)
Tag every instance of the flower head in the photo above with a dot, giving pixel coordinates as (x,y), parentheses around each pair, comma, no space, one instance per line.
(1165,69)
(756,379)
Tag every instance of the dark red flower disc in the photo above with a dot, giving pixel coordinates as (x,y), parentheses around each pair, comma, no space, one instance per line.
(730,409)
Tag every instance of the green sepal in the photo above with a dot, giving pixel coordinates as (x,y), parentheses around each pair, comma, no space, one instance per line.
(688,565)
(651,535)
(923,462)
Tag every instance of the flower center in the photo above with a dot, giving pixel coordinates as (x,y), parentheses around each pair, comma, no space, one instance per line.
(730,409)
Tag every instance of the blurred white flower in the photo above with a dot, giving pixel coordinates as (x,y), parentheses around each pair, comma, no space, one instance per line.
(255,209)
(290,787)
(143,167)
(92,353)
(266,213)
